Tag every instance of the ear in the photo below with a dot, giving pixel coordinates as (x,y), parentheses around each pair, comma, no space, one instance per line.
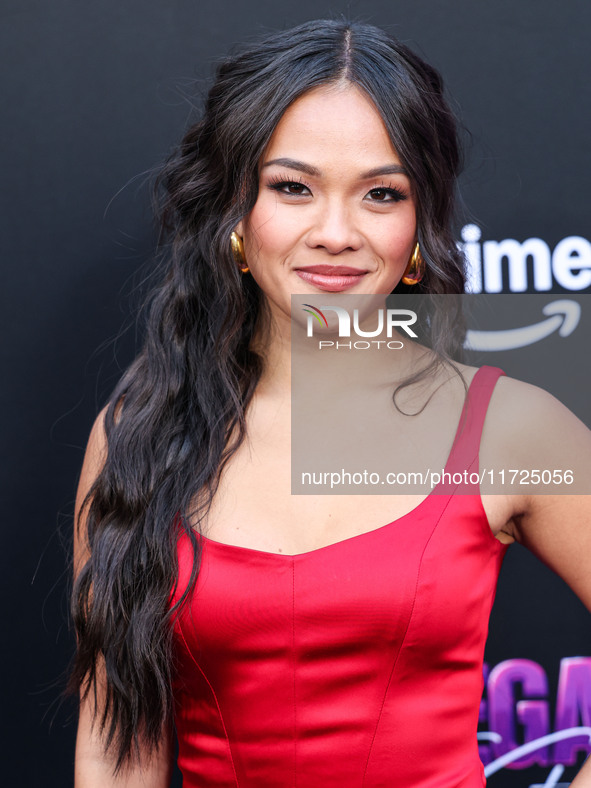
(239,229)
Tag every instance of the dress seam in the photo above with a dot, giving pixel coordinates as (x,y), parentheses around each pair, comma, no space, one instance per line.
(200,669)
(403,639)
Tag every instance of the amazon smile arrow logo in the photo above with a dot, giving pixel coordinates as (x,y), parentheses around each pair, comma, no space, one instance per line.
(562,316)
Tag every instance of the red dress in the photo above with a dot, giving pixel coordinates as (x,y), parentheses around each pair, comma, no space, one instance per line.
(356,664)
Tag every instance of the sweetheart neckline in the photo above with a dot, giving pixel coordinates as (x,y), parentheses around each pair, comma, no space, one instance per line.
(428,498)
(240,548)
(431,497)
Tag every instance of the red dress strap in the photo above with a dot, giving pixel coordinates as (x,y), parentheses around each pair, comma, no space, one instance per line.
(466,445)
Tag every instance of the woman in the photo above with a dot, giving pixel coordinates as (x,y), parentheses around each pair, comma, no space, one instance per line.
(325,162)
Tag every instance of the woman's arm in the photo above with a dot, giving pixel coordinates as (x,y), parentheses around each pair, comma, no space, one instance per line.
(554,521)
(558,530)
(92,769)
(583,778)
(554,527)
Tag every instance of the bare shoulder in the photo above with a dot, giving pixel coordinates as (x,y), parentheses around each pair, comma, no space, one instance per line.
(96,448)
(531,419)
(95,457)
(534,457)
(535,443)
(526,396)
(95,454)
(550,448)
(517,407)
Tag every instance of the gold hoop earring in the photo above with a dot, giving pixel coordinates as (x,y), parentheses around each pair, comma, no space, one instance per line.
(415,270)
(238,252)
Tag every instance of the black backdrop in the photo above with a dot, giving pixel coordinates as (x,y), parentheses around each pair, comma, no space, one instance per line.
(93,97)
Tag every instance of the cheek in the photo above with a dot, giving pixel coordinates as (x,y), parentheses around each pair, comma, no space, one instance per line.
(270,229)
(395,243)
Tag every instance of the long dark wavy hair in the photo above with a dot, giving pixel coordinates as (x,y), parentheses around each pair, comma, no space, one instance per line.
(185,395)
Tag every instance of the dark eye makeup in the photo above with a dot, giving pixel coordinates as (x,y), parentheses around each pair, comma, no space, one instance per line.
(387,194)
(280,183)
(297,188)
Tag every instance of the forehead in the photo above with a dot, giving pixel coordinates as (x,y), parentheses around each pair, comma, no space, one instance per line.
(331,122)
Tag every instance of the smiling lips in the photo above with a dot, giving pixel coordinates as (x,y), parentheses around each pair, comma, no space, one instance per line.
(332,278)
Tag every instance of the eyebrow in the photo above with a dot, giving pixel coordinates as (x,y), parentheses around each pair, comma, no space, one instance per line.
(308,169)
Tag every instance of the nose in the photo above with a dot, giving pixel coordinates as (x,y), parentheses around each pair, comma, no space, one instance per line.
(334,229)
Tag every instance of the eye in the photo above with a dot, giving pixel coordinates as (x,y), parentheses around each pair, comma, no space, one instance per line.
(294,188)
(386,194)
